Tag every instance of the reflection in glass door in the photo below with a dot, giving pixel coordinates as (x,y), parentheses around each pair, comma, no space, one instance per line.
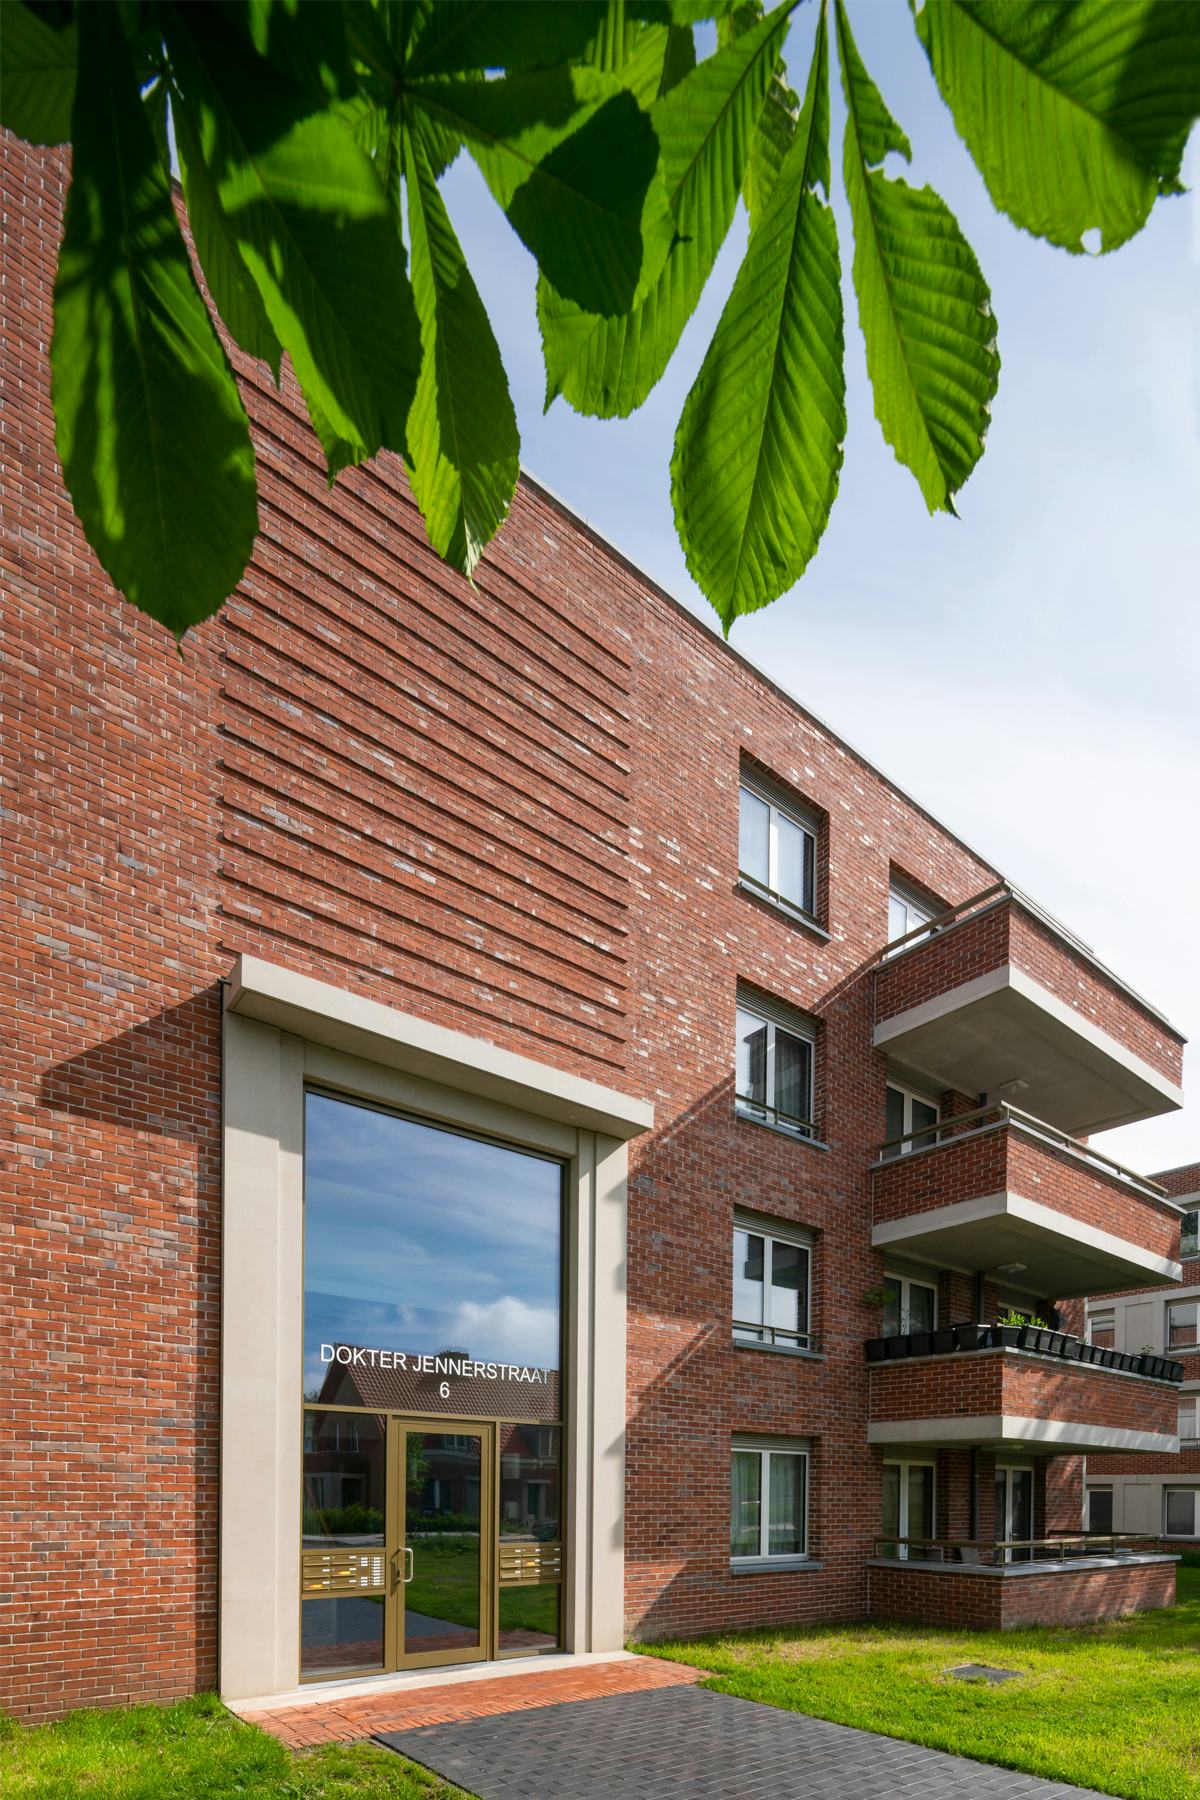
(442,1574)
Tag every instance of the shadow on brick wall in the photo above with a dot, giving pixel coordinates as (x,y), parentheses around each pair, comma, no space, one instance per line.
(162,1076)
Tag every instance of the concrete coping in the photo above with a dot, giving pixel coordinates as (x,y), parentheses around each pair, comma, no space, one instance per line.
(324,1014)
(1079,1565)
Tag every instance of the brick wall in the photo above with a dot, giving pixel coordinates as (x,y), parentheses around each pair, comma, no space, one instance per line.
(980,1383)
(1005,1603)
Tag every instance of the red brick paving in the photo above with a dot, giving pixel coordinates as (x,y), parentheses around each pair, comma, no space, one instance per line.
(341,1721)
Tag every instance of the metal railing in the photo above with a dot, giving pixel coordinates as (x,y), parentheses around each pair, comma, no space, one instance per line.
(1060,1550)
(775,1115)
(1001,1117)
(747,1331)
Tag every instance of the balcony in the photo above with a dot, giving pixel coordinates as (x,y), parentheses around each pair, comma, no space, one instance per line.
(984,1586)
(994,998)
(1019,1389)
(999,1187)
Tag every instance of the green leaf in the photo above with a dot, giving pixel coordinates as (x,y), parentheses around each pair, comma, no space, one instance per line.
(516,35)
(313,226)
(1078,113)
(705,125)
(464,450)
(923,303)
(759,445)
(38,87)
(230,283)
(772,140)
(151,433)
(631,49)
(573,161)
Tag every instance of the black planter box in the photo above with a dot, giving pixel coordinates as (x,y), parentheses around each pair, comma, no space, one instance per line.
(945,1339)
(920,1343)
(896,1348)
(876,1349)
(1010,1337)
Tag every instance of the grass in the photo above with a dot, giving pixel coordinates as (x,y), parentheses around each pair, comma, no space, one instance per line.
(195,1750)
(1114,1706)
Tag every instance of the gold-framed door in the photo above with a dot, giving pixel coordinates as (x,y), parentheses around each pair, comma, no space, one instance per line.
(442,1581)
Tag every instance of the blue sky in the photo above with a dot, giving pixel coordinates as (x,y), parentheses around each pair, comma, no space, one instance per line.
(1031,671)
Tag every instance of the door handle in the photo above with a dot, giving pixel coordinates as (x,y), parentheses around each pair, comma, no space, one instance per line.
(409,1565)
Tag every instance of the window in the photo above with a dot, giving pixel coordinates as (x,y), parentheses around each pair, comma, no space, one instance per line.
(908,1493)
(907,1113)
(1183,1324)
(771,1286)
(774,1068)
(1100,1509)
(1189,1418)
(906,911)
(768,1499)
(1189,1234)
(1102,1330)
(908,1306)
(777,851)
(1179,1512)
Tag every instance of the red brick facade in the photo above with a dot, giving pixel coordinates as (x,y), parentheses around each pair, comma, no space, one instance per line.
(983,1383)
(509,808)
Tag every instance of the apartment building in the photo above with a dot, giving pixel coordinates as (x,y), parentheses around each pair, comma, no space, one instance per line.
(1156,1493)
(516,1135)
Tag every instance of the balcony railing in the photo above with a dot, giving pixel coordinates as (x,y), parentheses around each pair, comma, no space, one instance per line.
(1002,1117)
(751,1108)
(1064,1548)
(955,1340)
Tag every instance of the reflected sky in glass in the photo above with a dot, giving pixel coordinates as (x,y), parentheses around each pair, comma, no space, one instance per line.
(417,1239)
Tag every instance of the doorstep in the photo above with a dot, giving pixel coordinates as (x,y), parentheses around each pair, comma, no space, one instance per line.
(343,1711)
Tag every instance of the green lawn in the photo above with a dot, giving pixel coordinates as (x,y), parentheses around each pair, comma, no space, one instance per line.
(195,1751)
(1114,1706)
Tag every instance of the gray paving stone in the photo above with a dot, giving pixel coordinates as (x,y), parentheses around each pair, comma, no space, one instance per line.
(686,1743)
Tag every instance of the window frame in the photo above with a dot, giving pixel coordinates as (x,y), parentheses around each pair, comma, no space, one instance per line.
(904,1464)
(900,894)
(1192,1343)
(905,1282)
(765,1448)
(1194,1494)
(766,1112)
(1189,1400)
(1107,1321)
(772,1232)
(891,1149)
(796,815)
(1099,1488)
(1189,1235)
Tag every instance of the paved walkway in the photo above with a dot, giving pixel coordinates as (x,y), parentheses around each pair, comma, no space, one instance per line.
(685,1743)
(375,1715)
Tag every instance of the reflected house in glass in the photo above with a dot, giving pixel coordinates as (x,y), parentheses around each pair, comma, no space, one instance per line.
(522,1138)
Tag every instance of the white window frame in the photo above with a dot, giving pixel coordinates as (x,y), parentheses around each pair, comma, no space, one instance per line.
(1107,1321)
(803,823)
(909,1095)
(766,1448)
(906,1283)
(1193,1343)
(917,911)
(1189,1416)
(766,1112)
(776,1336)
(904,1464)
(1008,1470)
(1098,1488)
(1189,1234)
(1182,1536)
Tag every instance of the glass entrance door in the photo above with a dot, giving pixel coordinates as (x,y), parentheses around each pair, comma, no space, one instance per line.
(1014,1511)
(444,1531)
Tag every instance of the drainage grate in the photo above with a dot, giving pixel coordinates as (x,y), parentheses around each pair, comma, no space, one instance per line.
(981,1672)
